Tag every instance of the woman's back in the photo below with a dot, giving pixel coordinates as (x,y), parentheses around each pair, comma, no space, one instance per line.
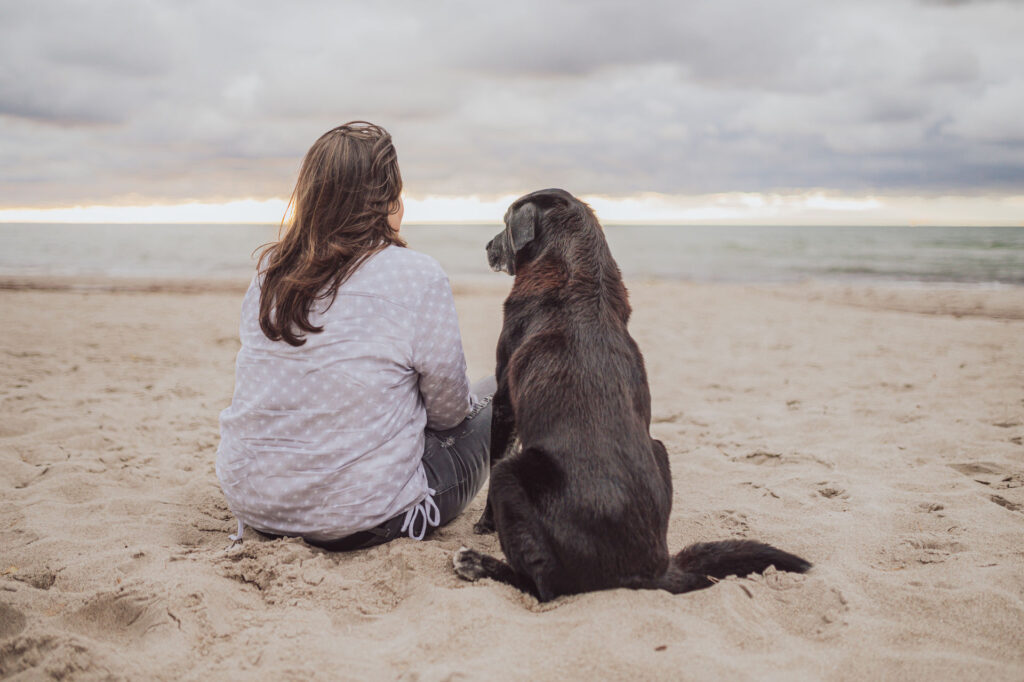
(326,438)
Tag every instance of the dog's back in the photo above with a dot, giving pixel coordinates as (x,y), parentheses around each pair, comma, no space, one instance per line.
(582,414)
(584,504)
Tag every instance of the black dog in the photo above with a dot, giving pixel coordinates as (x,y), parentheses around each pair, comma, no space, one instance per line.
(583,503)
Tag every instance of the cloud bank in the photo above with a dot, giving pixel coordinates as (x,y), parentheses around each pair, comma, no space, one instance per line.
(129,101)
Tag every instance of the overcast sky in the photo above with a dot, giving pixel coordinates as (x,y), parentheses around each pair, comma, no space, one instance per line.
(133,101)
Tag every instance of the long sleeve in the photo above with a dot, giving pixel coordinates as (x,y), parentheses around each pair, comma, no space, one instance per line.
(439,359)
(326,439)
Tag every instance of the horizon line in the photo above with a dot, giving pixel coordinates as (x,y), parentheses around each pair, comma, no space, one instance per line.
(809,208)
(497,224)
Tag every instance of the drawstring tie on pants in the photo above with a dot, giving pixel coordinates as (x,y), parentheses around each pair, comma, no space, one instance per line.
(427,509)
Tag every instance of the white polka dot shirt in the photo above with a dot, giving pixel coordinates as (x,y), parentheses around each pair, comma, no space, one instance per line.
(325,439)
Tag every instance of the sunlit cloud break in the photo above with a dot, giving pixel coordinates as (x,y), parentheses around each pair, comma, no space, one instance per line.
(731,208)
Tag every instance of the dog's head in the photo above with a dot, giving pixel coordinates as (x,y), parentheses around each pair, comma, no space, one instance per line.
(524,225)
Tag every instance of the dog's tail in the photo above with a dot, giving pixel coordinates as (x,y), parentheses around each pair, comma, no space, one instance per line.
(701,565)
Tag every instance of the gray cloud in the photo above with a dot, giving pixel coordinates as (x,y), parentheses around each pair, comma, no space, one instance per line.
(126,100)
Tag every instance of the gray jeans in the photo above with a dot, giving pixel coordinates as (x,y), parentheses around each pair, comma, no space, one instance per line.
(456,461)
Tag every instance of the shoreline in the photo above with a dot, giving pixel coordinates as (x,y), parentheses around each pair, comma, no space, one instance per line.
(995,300)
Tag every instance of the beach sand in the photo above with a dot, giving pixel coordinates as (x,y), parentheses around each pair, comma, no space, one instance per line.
(877,432)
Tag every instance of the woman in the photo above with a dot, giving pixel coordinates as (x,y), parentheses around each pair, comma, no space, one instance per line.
(352,420)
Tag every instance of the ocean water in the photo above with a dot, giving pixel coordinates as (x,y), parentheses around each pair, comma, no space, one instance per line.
(961,255)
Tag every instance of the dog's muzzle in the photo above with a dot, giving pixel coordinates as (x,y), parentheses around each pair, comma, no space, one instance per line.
(497,255)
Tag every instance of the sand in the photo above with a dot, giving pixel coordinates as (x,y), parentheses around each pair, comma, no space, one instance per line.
(876,432)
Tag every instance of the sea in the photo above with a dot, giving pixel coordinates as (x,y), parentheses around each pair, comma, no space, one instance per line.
(970,256)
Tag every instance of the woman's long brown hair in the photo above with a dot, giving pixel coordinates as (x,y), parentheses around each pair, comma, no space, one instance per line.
(348,184)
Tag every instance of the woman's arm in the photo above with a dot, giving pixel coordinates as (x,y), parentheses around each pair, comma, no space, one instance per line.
(439,359)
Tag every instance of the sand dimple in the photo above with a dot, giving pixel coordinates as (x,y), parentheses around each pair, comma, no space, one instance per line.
(131,612)
(205,518)
(13,426)
(1005,503)
(832,491)
(806,606)
(39,577)
(12,621)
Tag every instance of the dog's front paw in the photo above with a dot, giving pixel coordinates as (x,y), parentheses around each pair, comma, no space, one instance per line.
(485,525)
(469,564)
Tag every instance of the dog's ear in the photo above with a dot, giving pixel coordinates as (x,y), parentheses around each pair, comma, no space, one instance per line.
(522,225)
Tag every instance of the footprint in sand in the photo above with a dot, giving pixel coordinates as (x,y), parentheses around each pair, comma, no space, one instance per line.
(930,549)
(52,657)
(990,474)
(25,475)
(768,458)
(1003,502)
(996,477)
(763,489)
(762,457)
(801,605)
(734,522)
(128,614)
(919,549)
